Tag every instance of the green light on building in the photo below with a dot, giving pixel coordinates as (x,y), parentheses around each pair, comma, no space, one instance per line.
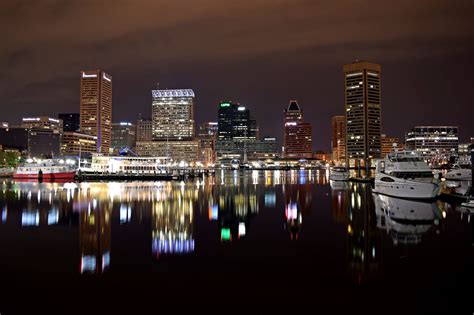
(225,104)
(225,234)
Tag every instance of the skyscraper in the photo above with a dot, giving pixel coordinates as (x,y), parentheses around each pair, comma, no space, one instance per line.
(362,86)
(96,107)
(237,135)
(338,142)
(173,114)
(234,121)
(297,141)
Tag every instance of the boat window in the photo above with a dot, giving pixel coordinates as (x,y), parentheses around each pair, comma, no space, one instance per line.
(387,179)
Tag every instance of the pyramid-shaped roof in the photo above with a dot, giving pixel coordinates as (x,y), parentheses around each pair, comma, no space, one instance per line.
(293,106)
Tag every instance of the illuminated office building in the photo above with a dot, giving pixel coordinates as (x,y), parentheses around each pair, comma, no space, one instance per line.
(75,143)
(238,134)
(173,114)
(388,144)
(44,123)
(297,142)
(436,144)
(96,107)
(362,99)
(177,151)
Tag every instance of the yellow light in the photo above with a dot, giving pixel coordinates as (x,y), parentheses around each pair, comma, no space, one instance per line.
(349,229)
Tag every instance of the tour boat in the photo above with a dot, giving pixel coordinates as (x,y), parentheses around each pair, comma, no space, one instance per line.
(338,173)
(46,170)
(459,172)
(404,174)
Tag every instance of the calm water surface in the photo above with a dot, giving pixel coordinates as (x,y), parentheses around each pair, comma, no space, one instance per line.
(278,239)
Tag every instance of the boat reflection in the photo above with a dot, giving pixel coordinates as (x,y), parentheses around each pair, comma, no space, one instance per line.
(405,220)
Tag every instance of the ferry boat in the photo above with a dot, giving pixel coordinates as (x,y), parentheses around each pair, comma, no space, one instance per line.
(404,174)
(338,173)
(46,170)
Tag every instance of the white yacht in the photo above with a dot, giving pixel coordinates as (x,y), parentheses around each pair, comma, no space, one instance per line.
(404,174)
(338,173)
(459,172)
(404,220)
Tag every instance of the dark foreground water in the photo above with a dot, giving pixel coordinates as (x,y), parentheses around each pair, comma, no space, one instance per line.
(283,240)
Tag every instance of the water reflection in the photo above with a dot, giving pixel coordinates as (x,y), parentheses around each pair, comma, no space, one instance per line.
(298,202)
(405,220)
(172,222)
(225,208)
(364,240)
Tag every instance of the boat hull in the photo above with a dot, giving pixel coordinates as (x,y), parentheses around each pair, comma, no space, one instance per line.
(405,188)
(46,176)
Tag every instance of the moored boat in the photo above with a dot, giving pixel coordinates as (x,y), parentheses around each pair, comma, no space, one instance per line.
(46,170)
(338,173)
(404,174)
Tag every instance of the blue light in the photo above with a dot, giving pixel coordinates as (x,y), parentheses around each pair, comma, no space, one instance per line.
(53,217)
(176,246)
(30,218)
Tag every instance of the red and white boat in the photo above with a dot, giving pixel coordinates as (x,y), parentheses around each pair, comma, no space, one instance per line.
(44,171)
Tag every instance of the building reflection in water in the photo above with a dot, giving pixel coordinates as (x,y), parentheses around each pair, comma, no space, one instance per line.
(236,205)
(364,241)
(95,230)
(298,202)
(172,222)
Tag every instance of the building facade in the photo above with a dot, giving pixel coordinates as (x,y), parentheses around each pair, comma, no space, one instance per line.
(123,136)
(78,144)
(43,143)
(173,114)
(144,130)
(363,108)
(436,144)
(207,136)
(43,122)
(14,138)
(297,142)
(96,107)
(388,144)
(176,151)
(338,142)
(71,122)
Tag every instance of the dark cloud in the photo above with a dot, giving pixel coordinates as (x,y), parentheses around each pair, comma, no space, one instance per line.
(258,52)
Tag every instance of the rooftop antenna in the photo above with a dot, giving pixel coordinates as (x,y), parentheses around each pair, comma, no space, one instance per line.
(157,85)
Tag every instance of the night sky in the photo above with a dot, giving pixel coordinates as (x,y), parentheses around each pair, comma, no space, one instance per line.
(258,53)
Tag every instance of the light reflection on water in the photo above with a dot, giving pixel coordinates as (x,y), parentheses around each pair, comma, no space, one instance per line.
(229,204)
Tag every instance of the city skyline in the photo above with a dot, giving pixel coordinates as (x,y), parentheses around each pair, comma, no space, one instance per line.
(423,56)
